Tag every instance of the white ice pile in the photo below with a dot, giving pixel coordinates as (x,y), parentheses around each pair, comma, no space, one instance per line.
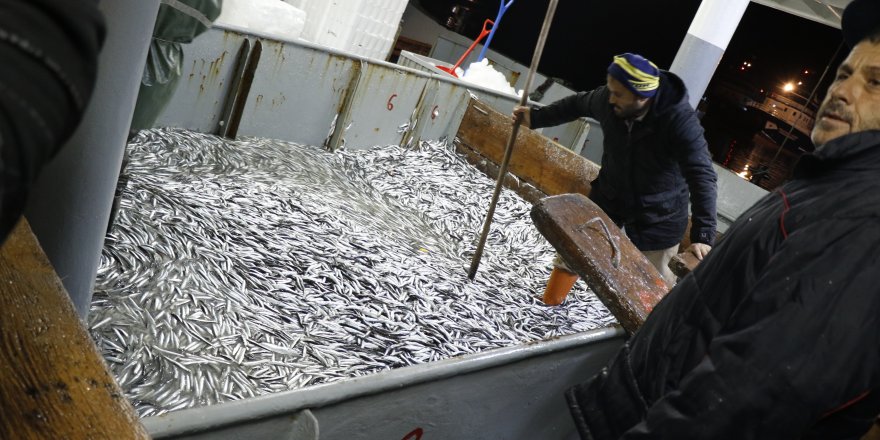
(483,74)
(269,17)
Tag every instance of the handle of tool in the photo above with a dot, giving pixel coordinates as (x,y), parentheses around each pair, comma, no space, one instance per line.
(508,151)
(483,33)
(501,11)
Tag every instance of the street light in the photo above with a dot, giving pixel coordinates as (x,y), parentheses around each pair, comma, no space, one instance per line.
(788,87)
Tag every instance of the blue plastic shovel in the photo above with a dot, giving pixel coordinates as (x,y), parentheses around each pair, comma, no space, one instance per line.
(501,12)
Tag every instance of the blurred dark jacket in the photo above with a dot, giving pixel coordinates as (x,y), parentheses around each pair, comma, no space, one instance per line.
(49,56)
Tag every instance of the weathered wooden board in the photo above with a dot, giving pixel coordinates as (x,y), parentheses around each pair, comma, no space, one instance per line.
(53,382)
(683,264)
(537,161)
(594,248)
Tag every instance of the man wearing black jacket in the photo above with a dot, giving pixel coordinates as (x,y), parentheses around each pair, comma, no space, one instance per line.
(775,334)
(655,158)
(49,54)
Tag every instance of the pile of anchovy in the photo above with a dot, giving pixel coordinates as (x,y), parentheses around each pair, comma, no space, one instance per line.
(241,268)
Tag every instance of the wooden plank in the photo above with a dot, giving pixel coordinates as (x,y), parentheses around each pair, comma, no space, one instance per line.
(53,382)
(524,189)
(616,271)
(548,166)
(683,264)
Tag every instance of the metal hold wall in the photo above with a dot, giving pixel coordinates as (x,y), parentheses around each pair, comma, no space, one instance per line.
(297,93)
(207,71)
(384,106)
(510,393)
(309,94)
(70,204)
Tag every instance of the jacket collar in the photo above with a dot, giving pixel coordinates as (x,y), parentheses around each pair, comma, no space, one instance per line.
(856,151)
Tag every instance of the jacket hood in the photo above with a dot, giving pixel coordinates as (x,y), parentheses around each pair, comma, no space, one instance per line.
(672,94)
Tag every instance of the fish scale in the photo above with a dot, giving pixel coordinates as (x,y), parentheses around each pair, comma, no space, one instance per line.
(241,268)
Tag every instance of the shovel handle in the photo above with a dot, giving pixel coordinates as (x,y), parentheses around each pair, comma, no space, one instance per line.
(483,33)
(501,10)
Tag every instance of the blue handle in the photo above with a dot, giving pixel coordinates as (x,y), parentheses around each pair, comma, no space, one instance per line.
(501,11)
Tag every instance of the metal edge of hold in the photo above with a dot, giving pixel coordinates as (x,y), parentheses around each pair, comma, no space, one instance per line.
(196,420)
(416,119)
(334,141)
(241,64)
(244,88)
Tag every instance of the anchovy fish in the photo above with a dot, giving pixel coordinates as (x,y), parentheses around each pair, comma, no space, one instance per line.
(241,268)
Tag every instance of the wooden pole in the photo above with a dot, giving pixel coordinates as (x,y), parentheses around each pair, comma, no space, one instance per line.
(536,58)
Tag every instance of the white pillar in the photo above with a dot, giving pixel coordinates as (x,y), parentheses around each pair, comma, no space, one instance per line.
(69,206)
(705,43)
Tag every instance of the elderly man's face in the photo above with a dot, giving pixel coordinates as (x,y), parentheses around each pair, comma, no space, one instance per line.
(626,104)
(853,101)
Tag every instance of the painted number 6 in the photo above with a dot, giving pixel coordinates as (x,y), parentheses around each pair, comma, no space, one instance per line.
(391,104)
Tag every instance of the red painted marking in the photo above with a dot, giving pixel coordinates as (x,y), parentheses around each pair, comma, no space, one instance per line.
(647,300)
(390,104)
(416,434)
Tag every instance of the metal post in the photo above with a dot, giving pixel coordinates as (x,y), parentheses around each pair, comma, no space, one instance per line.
(70,205)
(536,58)
(704,45)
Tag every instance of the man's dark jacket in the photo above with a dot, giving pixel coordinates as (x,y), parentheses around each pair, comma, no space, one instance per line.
(48,65)
(775,334)
(647,171)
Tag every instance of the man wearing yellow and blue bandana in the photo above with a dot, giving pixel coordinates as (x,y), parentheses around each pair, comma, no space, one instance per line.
(655,159)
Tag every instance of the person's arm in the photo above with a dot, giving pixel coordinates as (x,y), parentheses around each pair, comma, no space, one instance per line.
(696,166)
(802,345)
(583,104)
(49,50)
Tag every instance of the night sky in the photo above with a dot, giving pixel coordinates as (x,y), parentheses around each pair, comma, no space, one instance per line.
(587,33)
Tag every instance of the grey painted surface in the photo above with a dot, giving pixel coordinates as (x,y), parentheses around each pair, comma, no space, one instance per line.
(572,135)
(303,93)
(70,204)
(384,106)
(695,63)
(594,144)
(735,195)
(297,92)
(509,393)
(207,72)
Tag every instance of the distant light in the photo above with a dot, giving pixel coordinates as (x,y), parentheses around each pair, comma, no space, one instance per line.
(750,64)
(806,72)
(800,83)
(788,87)
(742,68)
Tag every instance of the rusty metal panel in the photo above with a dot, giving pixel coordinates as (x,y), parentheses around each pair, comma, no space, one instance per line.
(384,107)
(297,93)
(207,71)
(571,135)
(444,106)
